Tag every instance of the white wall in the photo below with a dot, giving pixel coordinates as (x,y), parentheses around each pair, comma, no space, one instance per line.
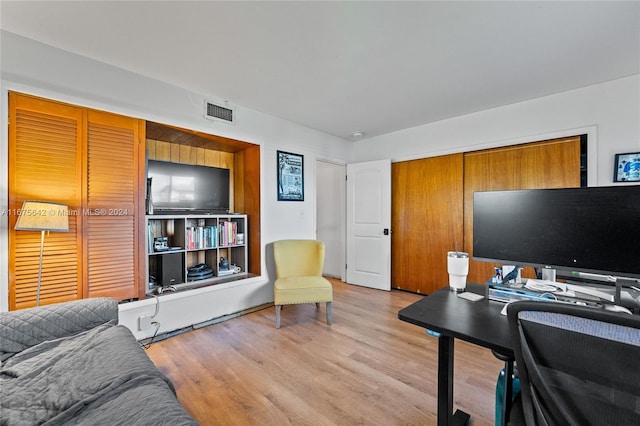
(38,69)
(609,113)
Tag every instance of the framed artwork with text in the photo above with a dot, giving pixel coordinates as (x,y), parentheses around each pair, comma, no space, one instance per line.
(290,176)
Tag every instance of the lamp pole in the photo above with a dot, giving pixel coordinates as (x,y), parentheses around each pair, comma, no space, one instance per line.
(40,268)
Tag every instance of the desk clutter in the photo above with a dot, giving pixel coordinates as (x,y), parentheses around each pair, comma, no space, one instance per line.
(508,286)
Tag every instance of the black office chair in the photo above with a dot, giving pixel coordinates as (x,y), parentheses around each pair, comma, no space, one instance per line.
(577,365)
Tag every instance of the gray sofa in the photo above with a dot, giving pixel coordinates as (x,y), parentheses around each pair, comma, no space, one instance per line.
(70,363)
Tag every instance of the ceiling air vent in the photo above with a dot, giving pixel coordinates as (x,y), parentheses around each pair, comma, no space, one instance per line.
(219,111)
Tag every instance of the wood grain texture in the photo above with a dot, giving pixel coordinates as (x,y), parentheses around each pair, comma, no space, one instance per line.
(368,368)
(547,164)
(46,142)
(432,203)
(88,160)
(187,137)
(426,220)
(112,196)
(250,181)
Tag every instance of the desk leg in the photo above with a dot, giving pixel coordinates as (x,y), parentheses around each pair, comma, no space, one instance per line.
(445,379)
(446,416)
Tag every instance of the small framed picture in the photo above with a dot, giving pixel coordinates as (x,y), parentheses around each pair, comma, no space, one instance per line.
(290,176)
(627,167)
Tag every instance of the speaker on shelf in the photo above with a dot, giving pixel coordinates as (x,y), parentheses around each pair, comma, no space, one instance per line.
(170,269)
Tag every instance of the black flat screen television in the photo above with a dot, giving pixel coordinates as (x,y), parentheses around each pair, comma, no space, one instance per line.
(186,188)
(591,230)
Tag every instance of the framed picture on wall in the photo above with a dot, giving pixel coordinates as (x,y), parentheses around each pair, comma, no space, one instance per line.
(290,176)
(626,167)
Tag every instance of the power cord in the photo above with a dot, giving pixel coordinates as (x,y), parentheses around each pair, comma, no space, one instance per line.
(539,285)
(156,323)
(148,345)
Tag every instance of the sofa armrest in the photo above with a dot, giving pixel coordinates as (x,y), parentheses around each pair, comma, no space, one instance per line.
(24,328)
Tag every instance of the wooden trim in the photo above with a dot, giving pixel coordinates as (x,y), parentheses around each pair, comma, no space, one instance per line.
(251,165)
(140,232)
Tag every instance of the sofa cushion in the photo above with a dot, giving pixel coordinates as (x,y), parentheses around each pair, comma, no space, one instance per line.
(100,376)
(24,328)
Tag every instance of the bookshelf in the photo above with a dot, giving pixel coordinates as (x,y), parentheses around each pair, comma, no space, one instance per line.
(177,244)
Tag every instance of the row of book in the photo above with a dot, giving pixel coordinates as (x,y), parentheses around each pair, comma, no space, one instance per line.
(228,233)
(203,237)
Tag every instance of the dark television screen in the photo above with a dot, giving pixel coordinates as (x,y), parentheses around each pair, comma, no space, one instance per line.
(594,230)
(179,187)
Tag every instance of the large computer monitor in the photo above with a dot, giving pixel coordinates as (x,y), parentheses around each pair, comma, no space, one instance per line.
(593,230)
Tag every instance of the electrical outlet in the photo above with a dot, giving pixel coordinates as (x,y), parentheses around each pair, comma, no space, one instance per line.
(144,322)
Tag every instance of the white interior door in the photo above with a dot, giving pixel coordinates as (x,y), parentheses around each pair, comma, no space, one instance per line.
(368,224)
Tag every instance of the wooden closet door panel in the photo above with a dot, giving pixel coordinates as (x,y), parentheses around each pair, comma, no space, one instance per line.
(548,164)
(427,221)
(45,156)
(112,194)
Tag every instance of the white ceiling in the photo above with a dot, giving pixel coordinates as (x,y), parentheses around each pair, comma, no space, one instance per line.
(340,67)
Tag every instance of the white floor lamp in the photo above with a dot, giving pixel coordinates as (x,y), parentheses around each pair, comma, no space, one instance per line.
(42,216)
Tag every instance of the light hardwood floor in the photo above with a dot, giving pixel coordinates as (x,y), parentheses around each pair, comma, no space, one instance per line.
(368,368)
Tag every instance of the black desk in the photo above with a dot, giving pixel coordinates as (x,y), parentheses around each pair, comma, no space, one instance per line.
(475,322)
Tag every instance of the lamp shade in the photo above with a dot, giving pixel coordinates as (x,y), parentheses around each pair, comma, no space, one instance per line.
(43,216)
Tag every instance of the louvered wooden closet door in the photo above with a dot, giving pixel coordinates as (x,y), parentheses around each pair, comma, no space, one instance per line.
(112,180)
(45,156)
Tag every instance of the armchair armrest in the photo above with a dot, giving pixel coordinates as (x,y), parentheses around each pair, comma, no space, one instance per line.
(24,328)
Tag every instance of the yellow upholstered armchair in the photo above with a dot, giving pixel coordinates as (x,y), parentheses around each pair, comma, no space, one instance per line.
(299,275)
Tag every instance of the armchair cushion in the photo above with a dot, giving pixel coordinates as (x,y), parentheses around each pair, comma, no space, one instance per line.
(298,258)
(291,290)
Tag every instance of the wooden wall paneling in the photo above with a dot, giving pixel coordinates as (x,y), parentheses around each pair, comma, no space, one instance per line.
(188,155)
(162,151)
(211,157)
(547,164)
(251,203)
(112,225)
(182,136)
(141,238)
(150,146)
(238,181)
(175,153)
(427,220)
(226,160)
(45,153)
